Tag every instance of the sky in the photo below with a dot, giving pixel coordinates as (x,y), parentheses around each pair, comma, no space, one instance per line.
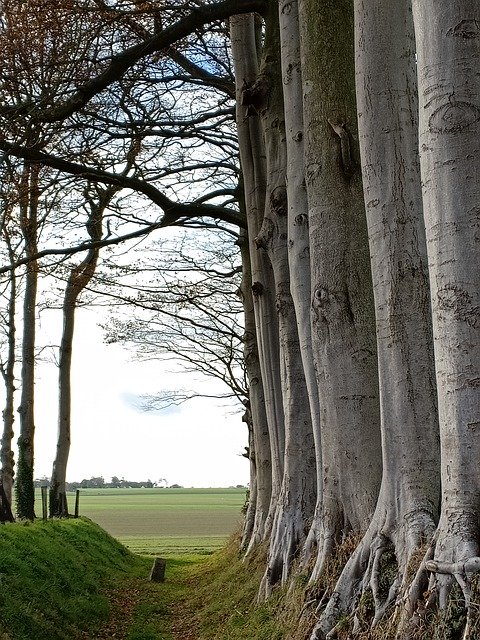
(198,444)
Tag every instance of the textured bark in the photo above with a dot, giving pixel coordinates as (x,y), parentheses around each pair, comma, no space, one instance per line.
(343,324)
(25,494)
(448,47)
(260,457)
(298,492)
(252,154)
(298,238)
(8,373)
(407,509)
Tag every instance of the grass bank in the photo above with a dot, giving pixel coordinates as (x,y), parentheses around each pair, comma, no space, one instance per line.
(53,578)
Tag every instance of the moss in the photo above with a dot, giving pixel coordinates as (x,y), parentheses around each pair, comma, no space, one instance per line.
(24,487)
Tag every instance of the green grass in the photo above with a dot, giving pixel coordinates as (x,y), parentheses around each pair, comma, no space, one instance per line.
(220,601)
(173,545)
(51,574)
(163,521)
(68,579)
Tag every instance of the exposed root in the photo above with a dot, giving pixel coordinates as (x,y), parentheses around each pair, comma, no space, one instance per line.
(283,550)
(446,574)
(374,580)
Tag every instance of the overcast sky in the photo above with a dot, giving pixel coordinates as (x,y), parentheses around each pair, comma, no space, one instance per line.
(197,444)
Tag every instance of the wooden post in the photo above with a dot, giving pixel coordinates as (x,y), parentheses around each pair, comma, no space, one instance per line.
(77,502)
(44,502)
(157,574)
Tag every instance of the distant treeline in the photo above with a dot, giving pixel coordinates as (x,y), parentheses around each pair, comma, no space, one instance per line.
(99,482)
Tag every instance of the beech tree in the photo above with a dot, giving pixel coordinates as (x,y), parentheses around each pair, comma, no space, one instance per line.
(388,132)
(448,48)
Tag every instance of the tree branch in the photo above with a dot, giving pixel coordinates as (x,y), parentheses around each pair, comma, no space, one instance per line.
(172,210)
(122,62)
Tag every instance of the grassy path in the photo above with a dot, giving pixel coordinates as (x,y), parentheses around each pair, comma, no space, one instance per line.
(144,610)
(204,597)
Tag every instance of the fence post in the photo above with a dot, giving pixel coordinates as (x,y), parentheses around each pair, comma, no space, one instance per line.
(77,502)
(44,502)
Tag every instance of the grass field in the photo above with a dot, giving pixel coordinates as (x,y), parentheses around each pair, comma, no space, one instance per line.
(163,521)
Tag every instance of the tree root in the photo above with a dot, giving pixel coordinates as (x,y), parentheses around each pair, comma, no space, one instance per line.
(376,578)
(283,550)
(461,573)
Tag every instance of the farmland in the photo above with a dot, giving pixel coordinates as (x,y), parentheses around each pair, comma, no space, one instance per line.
(163,520)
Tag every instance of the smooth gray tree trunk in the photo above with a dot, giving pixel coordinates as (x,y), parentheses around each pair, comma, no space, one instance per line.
(260,456)
(407,509)
(343,322)
(244,38)
(448,49)
(298,237)
(298,491)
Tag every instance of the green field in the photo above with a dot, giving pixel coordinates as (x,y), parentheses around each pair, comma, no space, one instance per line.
(163,520)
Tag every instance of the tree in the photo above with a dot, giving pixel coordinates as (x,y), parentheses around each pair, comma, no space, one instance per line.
(447,49)
(388,133)
(244,35)
(343,321)
(295,503)
(189,313)
(10,294)
(79,277)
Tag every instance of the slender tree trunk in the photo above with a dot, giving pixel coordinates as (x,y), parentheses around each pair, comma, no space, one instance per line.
(252,153)
(251,505)
(298,238)
(79,278)
(8,373)
(25,493)
(343,321)
(407,509)
(298,492)
(448,48)
(261,488)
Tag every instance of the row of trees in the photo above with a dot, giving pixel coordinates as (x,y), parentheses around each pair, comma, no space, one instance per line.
(98,482)
(356,219)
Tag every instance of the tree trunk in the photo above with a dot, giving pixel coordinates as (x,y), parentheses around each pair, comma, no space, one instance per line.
(25,492)
(298,238)
(343,322)
(298,492)
(79,278)
(407,509)
(261,490)
(8,373)
(244,38)
(448,48)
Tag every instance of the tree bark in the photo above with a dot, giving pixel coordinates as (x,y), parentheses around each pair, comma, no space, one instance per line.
(261,489)
(448,49)
(8,373)
(252,154)
(25,493)
(78,279)
(298,238)
(298,491)
(407,508)
(343,322)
